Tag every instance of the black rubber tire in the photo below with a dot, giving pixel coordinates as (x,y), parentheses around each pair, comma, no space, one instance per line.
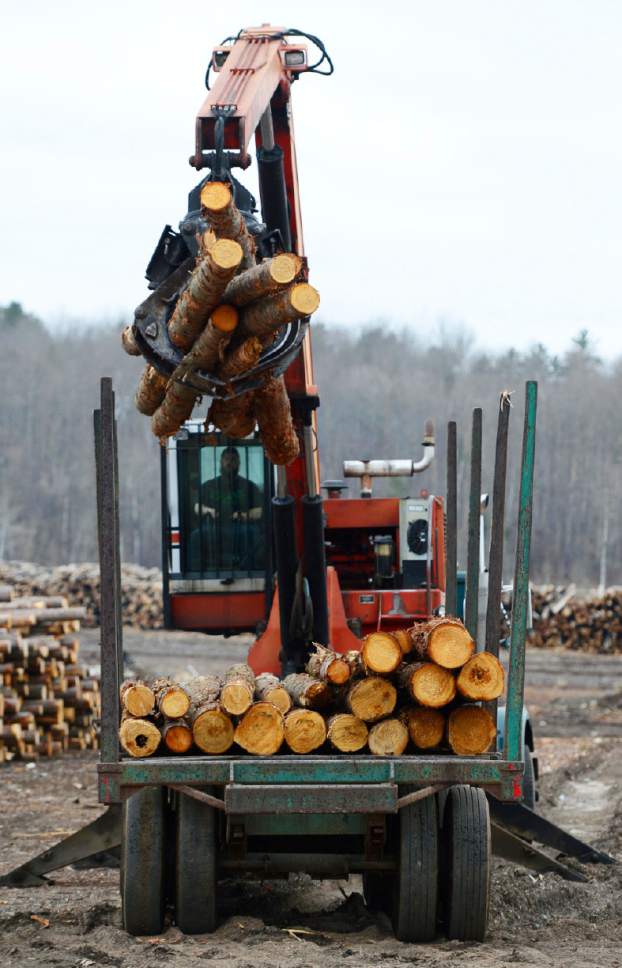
(195,866)
(415,898)
(465,879)
(529,781)
(378,891)
(142,862)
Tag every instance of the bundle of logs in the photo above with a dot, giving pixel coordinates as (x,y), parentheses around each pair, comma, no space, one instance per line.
(586,623)
(49,703)
(229,311)
(417,688)
(141,589)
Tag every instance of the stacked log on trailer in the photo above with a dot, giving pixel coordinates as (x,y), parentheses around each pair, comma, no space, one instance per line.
(415,690)
(228,312)
(49,702)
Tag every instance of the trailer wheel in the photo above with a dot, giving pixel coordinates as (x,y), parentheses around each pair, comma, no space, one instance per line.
(466,863)
(415,898)
(142,861)
(529,781)
(195,866)
(377,891)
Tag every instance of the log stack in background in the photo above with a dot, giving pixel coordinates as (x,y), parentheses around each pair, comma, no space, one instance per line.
(49,702)
(417,690)
(583,622)
(230,309)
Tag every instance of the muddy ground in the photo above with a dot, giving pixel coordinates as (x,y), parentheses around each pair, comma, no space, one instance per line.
(576,704)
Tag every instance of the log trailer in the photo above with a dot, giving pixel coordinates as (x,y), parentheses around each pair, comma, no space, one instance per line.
(419,828)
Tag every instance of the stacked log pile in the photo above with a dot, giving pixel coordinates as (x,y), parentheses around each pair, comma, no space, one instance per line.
(584,623)
(49,702)
(228,312)
(141,589)
(415,690)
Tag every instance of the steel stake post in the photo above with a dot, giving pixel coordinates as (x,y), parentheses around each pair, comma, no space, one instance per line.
(475,498)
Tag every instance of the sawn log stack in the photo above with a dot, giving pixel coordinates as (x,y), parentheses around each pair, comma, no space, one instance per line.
(413,691)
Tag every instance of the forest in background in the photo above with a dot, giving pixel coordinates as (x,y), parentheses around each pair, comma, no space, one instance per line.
(377,386)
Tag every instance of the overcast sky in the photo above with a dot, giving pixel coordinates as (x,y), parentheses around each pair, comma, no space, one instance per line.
(463,163)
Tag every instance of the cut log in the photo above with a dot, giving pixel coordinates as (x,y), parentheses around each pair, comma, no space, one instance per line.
(202,689)
(444,641)
(174,410)
(137,697)
(269,688)
(388,738)
(139,737)
(261,280)
(234,417)
(428,684)
(212,729)
(209,346)
(305,730)
(481,679)
(261,730)
(225,218)
(372,698)
(128,342)
(328,665)
(347,733)
(381,653)
(238,689)
(471,730)
(176,734)
(355,661)
(204,291)
(243,358)
(404,640)
(426,727)
(172,700)
(268,315)
(274,416)
(305,691)
(151,391)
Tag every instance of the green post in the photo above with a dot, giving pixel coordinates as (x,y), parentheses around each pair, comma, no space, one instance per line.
(520,602)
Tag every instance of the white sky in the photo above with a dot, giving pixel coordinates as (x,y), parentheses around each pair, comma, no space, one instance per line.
(463,162)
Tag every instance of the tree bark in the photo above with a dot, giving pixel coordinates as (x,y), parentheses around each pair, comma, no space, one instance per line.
(444,641)
(371,698)
(210,344)
(381,653)
(428,684)
(151,391)
(274,417)
(243,358)
(261,730)
(305,730)
(269,688)
(137,697)
(238,689)
(388,738)
(203,292)
(471,730)
(128,342)
(482,678)
(265,316)
(305,691)
(234,416)
(347,733)
(202,689)
(262,280)
(226,220)
(174,410)
(139,737)
(328,666)
(426,727)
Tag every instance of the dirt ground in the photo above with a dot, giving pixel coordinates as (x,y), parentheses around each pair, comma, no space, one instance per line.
(74,922)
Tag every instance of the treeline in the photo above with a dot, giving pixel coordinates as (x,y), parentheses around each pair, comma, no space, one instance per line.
(377,387)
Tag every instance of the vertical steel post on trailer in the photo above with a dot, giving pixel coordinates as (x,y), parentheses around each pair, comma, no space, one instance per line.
(451,547)
(495,557)
(520,595)
(109,570)
(475,499)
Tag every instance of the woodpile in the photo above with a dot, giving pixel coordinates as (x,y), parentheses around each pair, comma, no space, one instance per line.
(141,589)
(49,702)
(588,622)
(228,312)
(376,700)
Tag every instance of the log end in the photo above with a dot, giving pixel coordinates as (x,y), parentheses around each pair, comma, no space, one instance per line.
(432,686)
(212,731)
(347,733)
(482,678)
(225,318)
(388,738)
(226,253)
(372,698)
(175,702)
(215,196)
(285,267)
(304,298)
(138,699)
(177,738)
(139,737)
(305,730)
(236,697)
(381,653)
(426,727)
(450,645)
(471,730)
(261,730)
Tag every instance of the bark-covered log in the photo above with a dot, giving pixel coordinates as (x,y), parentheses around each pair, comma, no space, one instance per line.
(202,689)
(404,640)
(203,291)
(212,729)
(233,416)
(269,688)
(172,700)
(328,665)
(226,220)
(426,727)
(388,738)
(243,358)
(267,315)
(261,730)
(347,733)
(238,689)
(306,691)
(151,390)
(137,697)
(481,679)
(128,342)
(274,416)
(471,730)
(209,346)
(381,653)
(139,737)
(305,730)
(372,698)
(174,410)
(176,734)
(444,641)
(428,684)
(261,280)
